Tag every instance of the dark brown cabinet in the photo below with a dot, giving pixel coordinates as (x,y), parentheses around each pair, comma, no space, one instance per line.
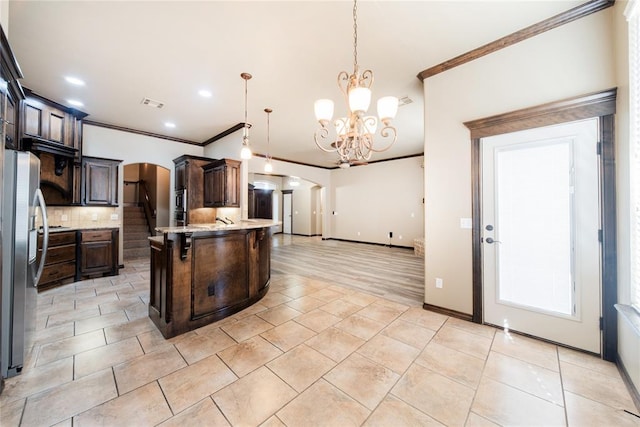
(99,181)
(189,191)
(11,95)
(199,278)
(97,252)
(222,184)
(46,121)
(60,261)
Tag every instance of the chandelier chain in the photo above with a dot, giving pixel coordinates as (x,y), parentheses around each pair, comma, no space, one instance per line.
(245,103)
(355,36)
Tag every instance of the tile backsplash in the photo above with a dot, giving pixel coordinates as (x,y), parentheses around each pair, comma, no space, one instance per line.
(82,216)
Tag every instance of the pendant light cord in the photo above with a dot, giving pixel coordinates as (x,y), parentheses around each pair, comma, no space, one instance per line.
(355,36)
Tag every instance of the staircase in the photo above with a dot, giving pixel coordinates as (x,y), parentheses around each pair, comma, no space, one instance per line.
(136,233)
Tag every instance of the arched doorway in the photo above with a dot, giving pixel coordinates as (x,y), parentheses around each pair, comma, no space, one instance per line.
(146,193)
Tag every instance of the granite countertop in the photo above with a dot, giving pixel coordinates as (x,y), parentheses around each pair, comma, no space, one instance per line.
(244,224)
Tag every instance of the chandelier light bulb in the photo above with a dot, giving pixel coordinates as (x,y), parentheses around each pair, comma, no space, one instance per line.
(245,153)
(268,167)
(387,108)
(324,110)
(359,99)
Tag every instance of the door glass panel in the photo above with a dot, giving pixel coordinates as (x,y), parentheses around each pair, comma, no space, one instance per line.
(534,193)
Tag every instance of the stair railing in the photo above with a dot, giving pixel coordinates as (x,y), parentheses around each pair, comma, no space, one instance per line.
(149,212)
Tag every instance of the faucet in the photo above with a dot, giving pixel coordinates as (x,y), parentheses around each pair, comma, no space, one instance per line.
(229,219)
(221,220)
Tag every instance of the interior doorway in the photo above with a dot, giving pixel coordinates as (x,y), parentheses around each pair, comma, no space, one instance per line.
(146,203)
(287,207)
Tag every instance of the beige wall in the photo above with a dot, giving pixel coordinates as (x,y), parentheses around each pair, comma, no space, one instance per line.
(572,60)
(371,201)
(628,338)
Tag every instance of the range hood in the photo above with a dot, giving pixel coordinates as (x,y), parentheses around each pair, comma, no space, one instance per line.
(62,153)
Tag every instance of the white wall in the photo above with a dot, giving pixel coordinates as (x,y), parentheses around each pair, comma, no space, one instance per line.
(628,338)
(572,60)
(371,201)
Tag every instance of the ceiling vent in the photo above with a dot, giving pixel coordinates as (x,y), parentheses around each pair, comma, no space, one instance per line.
(405,100)
(152,103)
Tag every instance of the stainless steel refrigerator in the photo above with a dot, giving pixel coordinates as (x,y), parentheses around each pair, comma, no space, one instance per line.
(23,209)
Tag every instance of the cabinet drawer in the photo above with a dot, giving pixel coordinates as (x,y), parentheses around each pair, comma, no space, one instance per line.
(59,238)
(61,253)
(95,236)
(52,273)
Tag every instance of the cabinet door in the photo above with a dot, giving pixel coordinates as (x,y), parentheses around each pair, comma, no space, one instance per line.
(181,176)
(214,187)
(56,124)
(222,280)
(96,257)
(100,182)
(11,117)
(232,186)
(33,120)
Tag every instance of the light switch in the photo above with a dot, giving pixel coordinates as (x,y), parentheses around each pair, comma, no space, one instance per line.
(466,223)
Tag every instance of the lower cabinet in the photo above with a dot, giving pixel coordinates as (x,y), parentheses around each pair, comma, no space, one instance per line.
(60,261)
(199,278)
(97,253)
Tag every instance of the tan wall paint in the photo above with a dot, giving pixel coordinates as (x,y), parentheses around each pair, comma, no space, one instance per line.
(628,339)
(571,60)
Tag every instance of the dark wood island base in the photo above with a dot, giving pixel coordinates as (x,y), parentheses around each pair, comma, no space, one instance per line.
(204,273)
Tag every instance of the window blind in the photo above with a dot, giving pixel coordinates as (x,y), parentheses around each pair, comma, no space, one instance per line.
(633,16)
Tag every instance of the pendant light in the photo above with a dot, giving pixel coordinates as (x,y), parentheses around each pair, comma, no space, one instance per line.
(245,153)
(268,167)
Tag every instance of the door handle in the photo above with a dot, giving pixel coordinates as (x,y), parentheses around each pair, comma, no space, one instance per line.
(490,240)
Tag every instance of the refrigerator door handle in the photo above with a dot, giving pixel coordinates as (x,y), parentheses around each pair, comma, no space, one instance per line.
(45,241)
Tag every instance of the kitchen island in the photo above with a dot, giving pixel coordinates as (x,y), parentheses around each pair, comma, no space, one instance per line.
(202,273)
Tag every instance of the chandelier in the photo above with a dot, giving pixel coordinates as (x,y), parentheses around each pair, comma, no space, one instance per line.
(355,132)
(245,152)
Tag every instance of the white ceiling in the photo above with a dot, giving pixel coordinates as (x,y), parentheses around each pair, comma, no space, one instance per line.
(169,50)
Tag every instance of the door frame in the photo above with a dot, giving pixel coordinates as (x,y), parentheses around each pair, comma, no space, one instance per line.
(601,105)
(291,210)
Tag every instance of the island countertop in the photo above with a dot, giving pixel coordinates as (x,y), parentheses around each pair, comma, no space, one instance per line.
(245,224)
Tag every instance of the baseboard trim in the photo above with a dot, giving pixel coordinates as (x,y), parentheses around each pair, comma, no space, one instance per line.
(448,312)
(633,391)
(369,243)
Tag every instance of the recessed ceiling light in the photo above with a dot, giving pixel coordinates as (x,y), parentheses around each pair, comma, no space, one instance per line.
(74,81)
(204,93)
(169,125)
(75,103)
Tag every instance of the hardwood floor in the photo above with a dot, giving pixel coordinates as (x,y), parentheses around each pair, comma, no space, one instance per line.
(393,273)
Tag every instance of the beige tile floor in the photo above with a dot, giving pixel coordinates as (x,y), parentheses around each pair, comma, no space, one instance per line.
(310,353)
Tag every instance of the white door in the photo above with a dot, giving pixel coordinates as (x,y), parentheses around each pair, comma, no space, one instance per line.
(540,218)
(286,213)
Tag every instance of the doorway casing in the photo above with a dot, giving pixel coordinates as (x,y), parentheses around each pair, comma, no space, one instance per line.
(599,105)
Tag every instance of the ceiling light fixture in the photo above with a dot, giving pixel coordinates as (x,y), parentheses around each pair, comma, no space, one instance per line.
(354,139)
(75,103)
(74,81)
(268,167)
(245,153)
(204,93)
(170,125)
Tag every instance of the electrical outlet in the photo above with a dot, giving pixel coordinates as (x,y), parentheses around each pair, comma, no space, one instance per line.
(94,217)
(400,237)
(64,217)
(439,283)
(114,217)
(358,233)
(391,234)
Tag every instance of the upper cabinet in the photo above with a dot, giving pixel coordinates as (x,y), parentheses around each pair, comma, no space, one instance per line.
(10,95)
(222,184)
(99,181)
(51,127)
